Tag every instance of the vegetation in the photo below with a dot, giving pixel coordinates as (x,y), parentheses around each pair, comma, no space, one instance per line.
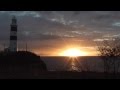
(109,51)
(21,62)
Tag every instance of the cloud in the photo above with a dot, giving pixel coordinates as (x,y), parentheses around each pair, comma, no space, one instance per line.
(37,36)
(79,26)
(22,13)
(112,36)
(116,24)
(100,40)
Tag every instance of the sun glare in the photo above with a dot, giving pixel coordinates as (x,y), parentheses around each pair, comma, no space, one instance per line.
(72,52)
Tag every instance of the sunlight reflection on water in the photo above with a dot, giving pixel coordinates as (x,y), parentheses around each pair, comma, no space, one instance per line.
(86,63)
(73,64)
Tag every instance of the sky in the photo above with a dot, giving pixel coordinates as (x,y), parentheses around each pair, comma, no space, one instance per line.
(49,33)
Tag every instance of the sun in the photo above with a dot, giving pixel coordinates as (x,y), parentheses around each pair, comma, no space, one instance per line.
(72,52)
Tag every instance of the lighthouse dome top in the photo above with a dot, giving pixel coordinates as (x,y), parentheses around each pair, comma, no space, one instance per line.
(14,20)
(13,17)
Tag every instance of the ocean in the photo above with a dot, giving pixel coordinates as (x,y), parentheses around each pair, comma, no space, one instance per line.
(82,63)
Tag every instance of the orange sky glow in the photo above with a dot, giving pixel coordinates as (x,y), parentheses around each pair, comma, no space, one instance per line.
(89,51)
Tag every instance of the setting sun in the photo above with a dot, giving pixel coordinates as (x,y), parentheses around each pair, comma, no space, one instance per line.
(72,52)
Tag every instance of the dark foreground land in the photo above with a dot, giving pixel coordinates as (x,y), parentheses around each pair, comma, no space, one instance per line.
(27,65)
(59,75)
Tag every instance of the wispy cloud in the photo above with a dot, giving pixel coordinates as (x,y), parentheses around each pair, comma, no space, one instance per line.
(79,26)
(22,13)
(116,24)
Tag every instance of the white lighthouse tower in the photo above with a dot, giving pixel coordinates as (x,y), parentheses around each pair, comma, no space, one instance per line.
(13,35)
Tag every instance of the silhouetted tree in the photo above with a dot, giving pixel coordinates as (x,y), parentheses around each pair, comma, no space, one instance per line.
(109,51)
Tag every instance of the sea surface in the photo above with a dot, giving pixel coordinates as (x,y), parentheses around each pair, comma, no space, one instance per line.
(84,63)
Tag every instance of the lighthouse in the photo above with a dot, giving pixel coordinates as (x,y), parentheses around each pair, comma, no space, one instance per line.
(13,35)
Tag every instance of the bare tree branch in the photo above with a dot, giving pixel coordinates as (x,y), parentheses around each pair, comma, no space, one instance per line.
(109,52)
